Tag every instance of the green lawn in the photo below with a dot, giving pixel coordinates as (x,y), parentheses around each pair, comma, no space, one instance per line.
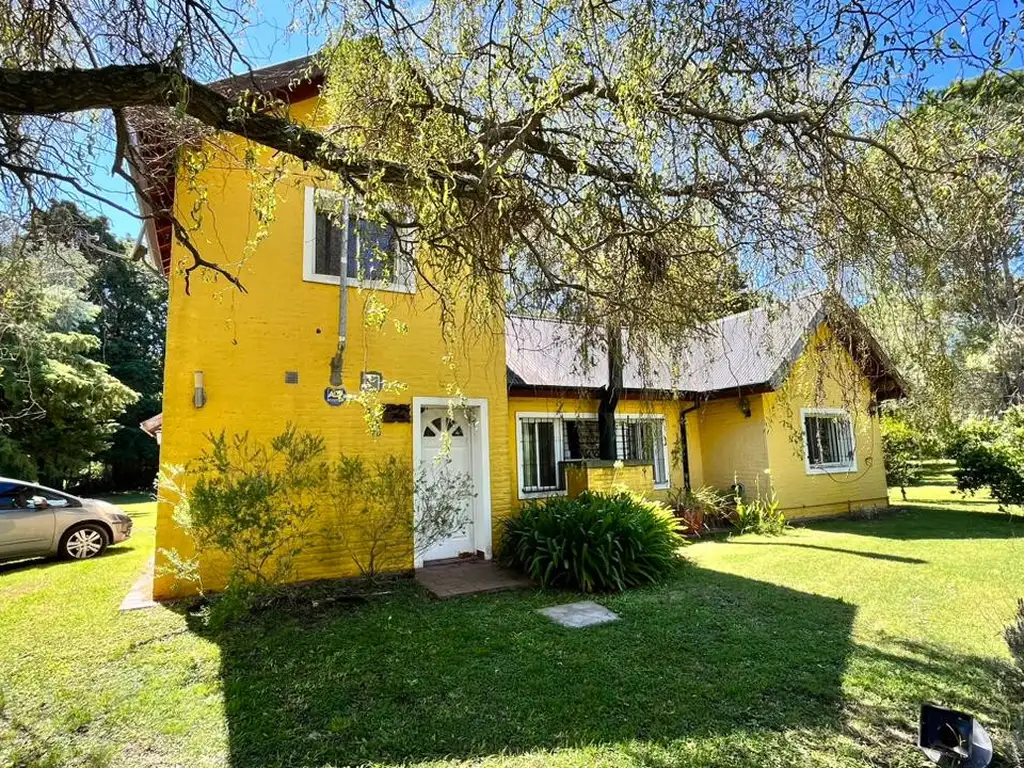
(812,649)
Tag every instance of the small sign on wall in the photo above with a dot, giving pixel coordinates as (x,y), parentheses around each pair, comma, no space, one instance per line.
(334,396)
(397,413)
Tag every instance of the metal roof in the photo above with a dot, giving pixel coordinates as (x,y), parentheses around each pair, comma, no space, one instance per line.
(749,350)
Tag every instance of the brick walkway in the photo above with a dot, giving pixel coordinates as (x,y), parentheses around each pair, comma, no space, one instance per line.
(473,577)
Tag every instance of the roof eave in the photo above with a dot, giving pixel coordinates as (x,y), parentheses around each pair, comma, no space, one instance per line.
(286,89)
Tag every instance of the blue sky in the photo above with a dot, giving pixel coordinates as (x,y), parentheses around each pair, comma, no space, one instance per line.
(273,39)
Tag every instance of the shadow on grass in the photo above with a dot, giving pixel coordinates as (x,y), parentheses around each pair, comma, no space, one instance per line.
(42,563)
(914,672)
(857,552)
(885,687)
(406,679)
(911,521)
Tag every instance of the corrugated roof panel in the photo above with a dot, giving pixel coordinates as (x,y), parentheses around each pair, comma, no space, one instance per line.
(741,350)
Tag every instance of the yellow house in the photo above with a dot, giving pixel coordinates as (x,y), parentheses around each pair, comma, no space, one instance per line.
(781,400)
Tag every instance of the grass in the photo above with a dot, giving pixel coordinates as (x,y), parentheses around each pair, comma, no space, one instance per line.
(810,649)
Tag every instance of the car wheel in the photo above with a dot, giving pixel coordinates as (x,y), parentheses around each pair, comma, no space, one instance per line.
(83,542)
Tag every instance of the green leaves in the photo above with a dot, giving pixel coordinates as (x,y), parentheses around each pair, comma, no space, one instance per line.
(990,453)
(254,501)
(902,449)
(760,514)
(57,402)
(594,542)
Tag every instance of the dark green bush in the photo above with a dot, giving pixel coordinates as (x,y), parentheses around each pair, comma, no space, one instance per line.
(902,450)
(594,542)
(990,453)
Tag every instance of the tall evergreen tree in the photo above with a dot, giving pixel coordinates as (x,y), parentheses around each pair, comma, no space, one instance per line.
(130,326)
(57,401)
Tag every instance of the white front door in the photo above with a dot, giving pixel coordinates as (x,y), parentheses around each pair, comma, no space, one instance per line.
(447,445)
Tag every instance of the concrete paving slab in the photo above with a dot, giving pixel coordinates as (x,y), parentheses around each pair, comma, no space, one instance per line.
(578,615)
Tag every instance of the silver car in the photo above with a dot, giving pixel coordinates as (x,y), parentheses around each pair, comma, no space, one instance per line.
(39,521)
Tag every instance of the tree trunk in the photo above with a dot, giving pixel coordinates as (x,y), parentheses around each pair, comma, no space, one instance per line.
(610,395)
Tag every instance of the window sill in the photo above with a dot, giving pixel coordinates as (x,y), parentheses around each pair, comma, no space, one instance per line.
(531,495)
(366,285)
(836,470)
(662,486)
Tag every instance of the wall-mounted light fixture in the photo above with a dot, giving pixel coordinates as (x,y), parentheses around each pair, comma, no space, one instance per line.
(198,390)
(745,406)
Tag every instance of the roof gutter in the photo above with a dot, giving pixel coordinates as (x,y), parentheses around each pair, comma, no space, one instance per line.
(139,180)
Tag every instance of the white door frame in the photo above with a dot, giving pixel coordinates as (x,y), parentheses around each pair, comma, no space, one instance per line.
(481,463)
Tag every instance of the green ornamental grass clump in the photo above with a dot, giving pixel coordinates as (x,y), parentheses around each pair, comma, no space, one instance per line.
(594,542)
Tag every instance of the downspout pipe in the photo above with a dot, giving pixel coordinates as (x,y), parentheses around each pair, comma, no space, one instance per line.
(338,361)
(687,484)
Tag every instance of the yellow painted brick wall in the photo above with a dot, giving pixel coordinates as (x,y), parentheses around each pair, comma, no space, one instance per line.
(732,446)
(567,406)
(608,479)
(245,342)
(824,377)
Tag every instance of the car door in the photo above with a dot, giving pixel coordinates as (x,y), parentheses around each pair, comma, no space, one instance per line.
(24,530)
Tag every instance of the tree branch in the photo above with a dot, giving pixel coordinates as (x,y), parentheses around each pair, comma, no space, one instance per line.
(57,91)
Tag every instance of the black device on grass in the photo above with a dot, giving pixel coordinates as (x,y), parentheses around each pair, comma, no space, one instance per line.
(952,738)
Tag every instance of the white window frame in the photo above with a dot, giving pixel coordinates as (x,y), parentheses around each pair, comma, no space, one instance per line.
(828,469)
(664,442)
(558,418)
(404,280)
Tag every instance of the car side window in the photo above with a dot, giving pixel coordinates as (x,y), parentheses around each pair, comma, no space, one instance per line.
(14,496)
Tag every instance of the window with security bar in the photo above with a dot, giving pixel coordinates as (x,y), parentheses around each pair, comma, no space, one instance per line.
(372,248)
(643,439)
(540,447)
(376,253)
(547,441)
(829,440)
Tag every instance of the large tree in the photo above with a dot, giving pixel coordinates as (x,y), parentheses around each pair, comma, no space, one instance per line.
(950,307)
(57,402)
(624,155)
(130,324)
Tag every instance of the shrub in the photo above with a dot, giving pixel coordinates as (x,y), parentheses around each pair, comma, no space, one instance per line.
(252,502)
(760,514)
(990,453)
(259,504)
(594,542)
(901,449)
(373,509)
(701,508)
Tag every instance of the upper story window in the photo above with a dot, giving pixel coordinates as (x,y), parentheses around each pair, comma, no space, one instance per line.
(378,256)
(546,440)
(828,438)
